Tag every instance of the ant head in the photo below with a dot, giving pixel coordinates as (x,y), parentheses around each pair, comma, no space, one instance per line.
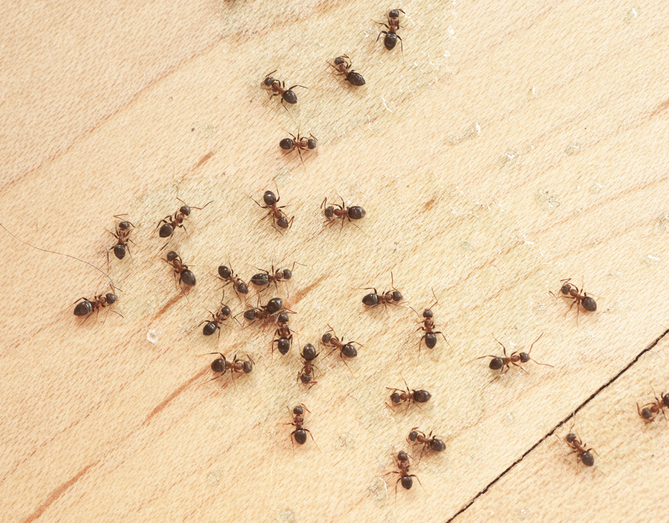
(225,310)
(269,198)
(397,296)
(646,413)
(566,287)
(496,363)
(268,81)
(171,256)
(248,367)
(402,456)
(339,60)
(306,378)
(287,274)
(219,364)
(311,143)
(299,410)
(427,313)
(524,357)
(286,144)
(111,298)
(309,352)
(326,337)
(282,317)
(124,225)
(184,209)
(250,314)
(329,212)
(395,398)
(394,13)
(224,272)
(569,438)
(413,435)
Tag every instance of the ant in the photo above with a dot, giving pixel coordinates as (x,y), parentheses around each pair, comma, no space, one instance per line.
(343,65)
(168,224)
(569,290)
(391,36)
(403,464)
(122,238)
(229,276)
(428,327)
(651,410)
(409,396)
(417,436)
(515,358)
(180,268)
(236,365)
(373,299)
(301,143)
(214,324)
(279,218)
(309,354)
(332,212)
(86,307)
(300,433)
(278,88)
(265,311)
(284,334)
(345,349)
(266,278)
(579,448)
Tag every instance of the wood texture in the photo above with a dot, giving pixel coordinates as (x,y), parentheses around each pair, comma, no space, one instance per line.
(509,146)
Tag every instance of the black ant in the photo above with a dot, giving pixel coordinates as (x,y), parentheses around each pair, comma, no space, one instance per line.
(579,448)
(391,36)
(309,354)
(651,410)
(515,359)
(279,218)
(342,212)
(345,349)
(266,278)
(180,268)
(343,65)
(403,464)
(301,143)
(263,312)
(409,396)
(168,224)
(236,365)
(417,436)
(284,334)
(214,324)
(579,297)
(428,327)
(86,307)
(278,88)
(228,275)
(300,433)
(122,236)
(387,297)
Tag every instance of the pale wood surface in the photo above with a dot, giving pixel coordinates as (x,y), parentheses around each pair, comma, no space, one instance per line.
(463,152)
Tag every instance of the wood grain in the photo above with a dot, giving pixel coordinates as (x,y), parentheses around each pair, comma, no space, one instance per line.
(509,146)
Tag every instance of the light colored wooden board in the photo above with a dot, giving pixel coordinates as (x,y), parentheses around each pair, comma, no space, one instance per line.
(101,423)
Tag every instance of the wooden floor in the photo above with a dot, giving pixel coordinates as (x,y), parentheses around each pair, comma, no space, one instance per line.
(499,149)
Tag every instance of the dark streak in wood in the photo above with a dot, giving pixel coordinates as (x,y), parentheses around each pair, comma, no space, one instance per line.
(174,394)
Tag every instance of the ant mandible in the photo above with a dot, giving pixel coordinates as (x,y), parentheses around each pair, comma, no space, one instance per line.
(279,218)
(168,224)
(306,375)
(342,64)
(515,359)
(579,448)
(300,433)
(122,236)
(180,268)
(391,36)
(278,88)
(650,410)
(301,143)
(342,212)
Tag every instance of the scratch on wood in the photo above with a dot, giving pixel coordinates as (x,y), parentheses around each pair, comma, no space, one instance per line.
(59,491)
(174,394)
(204,159)
(297,297)
(167,306)
(429,204)
(663,106)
